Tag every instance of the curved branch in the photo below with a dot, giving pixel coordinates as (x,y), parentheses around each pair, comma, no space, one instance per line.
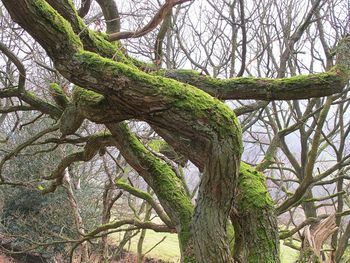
(92,147)
(18,64)
(135,222)
(155,21)
(157,174)
(20,92)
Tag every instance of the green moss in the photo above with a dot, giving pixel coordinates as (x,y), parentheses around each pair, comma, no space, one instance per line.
(256,218)
(137,192)
(208,114)
(156,144)
(102,46)
(31,95)
(253,189)
(85,96)
(308,80)
(205,109)
(165,184)
(231,235)
(277,84)
(43,9)
(58,95)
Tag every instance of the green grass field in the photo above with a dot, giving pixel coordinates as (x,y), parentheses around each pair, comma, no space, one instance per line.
(168,250)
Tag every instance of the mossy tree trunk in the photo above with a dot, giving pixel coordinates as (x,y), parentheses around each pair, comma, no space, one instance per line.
(213,206)
(254,220)
(195,124)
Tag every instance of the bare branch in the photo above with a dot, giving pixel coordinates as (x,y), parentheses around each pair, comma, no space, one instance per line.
(19,65)
(156,20)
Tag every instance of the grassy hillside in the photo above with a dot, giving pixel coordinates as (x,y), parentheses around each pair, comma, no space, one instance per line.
(168,250)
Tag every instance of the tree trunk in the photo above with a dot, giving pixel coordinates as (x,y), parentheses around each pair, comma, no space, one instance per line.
(214,202)
(254,220)
(314,239)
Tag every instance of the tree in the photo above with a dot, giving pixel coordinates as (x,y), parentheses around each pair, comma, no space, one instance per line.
(112,87)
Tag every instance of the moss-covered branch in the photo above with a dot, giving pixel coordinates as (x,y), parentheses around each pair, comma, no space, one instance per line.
(147,197)
(159,176)
(91,40)
(292,88)
(135,222)
(155,99)
(58,95)
(41,105)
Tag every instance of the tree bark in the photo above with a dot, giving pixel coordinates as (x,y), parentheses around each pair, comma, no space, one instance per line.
(213,206)
(254,220)
(315,238)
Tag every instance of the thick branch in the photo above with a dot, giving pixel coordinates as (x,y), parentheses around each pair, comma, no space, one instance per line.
(111,14)
(156,173)
(159,101)
(298,87)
